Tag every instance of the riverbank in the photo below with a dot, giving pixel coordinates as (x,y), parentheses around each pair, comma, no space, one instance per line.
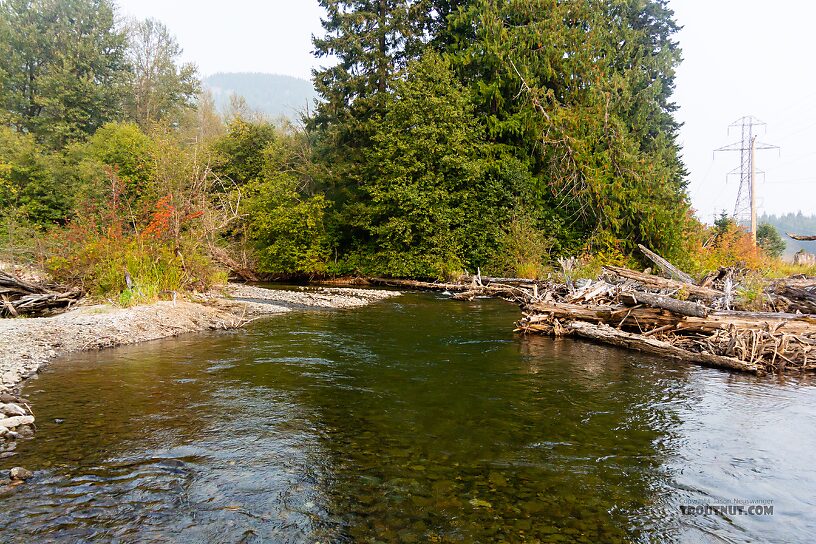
(26,345)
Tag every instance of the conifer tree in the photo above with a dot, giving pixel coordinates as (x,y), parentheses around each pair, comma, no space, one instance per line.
(63,72)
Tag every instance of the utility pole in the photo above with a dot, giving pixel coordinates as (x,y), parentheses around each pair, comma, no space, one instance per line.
(745,207)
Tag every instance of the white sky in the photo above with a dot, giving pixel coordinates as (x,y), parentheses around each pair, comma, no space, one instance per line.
(741,57)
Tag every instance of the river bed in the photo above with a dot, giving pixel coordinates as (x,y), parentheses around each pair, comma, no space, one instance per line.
(415,419)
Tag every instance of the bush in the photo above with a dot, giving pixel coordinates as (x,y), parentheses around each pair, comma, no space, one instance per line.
(522,250)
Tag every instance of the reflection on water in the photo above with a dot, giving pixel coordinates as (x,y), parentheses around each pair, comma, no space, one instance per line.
(412,420)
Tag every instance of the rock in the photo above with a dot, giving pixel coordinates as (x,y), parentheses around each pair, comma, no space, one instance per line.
(12,410)
(10,377)
(11,422)
(19,473)
(5,397)
(24,431)
(4,431)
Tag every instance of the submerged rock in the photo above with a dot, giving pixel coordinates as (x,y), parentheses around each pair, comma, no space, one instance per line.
(19,473)
(25,431)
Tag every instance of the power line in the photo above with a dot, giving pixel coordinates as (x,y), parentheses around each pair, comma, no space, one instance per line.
(745,209)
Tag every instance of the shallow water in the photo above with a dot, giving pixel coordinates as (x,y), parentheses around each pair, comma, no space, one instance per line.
(413,420)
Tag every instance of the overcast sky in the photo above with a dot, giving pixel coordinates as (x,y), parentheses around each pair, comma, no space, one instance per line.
(742,57)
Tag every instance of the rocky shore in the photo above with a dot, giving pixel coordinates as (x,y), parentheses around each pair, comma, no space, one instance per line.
(26,345)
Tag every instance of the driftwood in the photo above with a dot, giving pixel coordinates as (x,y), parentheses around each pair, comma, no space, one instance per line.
(695,292)
(795,295)
(21,297)
(609,335)
(670,318)
(679,307)
(802,238)
(673,272)
(468,291)
(221,255)
(645,318)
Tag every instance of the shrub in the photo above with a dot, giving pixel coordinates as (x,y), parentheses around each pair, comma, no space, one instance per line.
(522,250)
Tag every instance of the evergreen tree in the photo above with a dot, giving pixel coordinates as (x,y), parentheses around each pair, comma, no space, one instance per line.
(368,39)
(63,71)
(424,176)
(582,90)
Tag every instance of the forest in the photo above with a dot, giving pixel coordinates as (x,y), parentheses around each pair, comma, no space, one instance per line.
(449,136)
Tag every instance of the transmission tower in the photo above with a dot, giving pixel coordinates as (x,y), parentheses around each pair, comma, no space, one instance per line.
(745,210)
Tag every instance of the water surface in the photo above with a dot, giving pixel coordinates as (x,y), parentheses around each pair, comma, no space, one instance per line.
(416,419)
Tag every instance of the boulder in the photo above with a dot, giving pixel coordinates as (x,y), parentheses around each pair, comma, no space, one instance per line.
(10,377)
(12,410)
(12,422)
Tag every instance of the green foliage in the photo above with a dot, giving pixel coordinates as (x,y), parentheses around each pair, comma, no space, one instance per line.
(424,175)
(286,220)
(63,71)
(162,87)
(30,184)
(522,251)
(595,118)
(240,153)
(288,229)
(770,241)
(119,149)
(559,112)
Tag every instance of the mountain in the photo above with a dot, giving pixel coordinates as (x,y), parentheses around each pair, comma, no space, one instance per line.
(272,94)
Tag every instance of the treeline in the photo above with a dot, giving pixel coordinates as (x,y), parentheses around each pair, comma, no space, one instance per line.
(449,136)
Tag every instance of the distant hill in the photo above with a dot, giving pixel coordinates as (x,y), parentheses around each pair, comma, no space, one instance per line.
(796,223)
(271,94)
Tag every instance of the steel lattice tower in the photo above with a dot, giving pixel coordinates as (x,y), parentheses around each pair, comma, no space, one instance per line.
(745,207)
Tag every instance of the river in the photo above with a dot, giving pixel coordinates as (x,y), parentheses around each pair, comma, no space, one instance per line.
(416,419)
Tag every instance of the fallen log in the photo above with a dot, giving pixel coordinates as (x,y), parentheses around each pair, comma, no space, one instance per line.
(679,307)
(20,297)
(695,292)
(496,289)
(801,238)
(221,255)
(674,272)
(15,284)
(614,337)
(799,296)
(642,318)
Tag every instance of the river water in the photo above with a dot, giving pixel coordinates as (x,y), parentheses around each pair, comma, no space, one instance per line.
(416,419)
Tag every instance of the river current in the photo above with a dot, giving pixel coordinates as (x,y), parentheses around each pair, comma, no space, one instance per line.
(416,419)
